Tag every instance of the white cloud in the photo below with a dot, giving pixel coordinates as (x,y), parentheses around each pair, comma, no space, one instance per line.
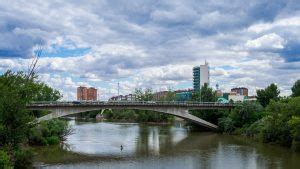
(268,41)
(282,23)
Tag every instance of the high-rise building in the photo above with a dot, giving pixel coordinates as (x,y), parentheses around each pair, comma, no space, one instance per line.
(196,78)
(200,76)
(92,94)
(84,93)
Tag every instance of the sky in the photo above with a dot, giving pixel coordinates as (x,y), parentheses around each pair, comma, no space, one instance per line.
(150,43)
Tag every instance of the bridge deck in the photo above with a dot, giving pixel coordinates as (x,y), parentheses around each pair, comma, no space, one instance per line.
(209,105)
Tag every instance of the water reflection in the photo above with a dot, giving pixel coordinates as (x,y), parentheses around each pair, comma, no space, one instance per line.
(97,145)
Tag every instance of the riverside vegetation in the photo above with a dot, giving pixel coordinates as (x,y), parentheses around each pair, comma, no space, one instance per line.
(272,119)
(17,133)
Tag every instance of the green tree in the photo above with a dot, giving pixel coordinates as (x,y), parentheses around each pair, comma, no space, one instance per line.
(205,94)
(13,115)
(296,89)
(294,123)
(265,95)
(246,113)
(226,124)
(145,95)
(16,90)
(281,125)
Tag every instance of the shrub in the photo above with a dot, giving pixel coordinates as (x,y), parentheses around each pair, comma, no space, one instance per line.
(276,130)
(5,160)
(255,128)
(246,113)
(226,124)
(23,158)
(294,123)
(52,140)
(49,132)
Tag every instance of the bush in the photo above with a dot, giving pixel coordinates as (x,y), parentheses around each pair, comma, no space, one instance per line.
(23,158)
(254,129)
(226,124)
(5,160)
(52,140)
(275,130)
(49,132)
(246,113)
(294,123)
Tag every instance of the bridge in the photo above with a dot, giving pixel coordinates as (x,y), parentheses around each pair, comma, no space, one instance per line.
(179,109)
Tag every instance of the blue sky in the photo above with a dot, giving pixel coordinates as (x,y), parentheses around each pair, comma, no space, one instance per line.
(147,43)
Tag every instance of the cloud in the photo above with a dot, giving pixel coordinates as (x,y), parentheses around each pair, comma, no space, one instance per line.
(267,42)
(152,44)
(280,23)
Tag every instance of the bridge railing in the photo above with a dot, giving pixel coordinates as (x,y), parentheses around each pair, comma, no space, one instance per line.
(131,103)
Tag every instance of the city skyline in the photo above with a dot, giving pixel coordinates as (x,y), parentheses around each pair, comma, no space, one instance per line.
(146,44)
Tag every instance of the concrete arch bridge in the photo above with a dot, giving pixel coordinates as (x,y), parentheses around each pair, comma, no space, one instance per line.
(179,109)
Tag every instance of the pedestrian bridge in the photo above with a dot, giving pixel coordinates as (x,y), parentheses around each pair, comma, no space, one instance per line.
(179,109)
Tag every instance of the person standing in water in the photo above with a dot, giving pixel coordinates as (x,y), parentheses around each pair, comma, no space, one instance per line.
(121,147)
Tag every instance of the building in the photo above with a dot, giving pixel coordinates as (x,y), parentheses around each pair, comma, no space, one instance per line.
(196,78)
(200,76)
(251,98)
(240,90)
(81,93)
(84,93)
(183,95)
(236,98)
(226,95)
(129,97)
(92,94)
(161,95)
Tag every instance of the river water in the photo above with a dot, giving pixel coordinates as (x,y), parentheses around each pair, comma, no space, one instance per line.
(98,145)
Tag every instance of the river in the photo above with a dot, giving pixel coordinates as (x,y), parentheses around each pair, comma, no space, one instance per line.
(98,145)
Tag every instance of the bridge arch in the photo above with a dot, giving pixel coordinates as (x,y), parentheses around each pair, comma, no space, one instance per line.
(179,109)
(178,112)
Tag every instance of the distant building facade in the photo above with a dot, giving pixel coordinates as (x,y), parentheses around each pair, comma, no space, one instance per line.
(236,97)
(129,97)
(200,76)
(161,95)
(91,94)
(81,93)
(84,93)
(240,90)
(183,95)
